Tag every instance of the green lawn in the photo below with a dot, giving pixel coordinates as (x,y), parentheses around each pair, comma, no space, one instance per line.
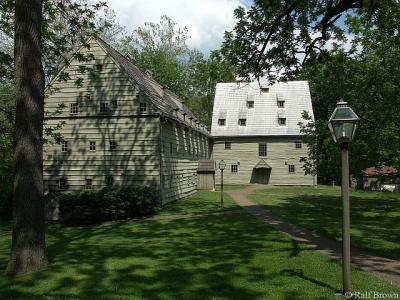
(227,256)
(375,216)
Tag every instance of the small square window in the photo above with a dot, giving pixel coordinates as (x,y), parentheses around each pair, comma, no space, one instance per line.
(264,89)
(221,122)
(281,103)
(109,180)
(88,96)
(228,145)
(64,146)
(234,168)
(88,184)
(250,104)
(114,104)
(99,67)
(282,121)
(143,107)
(92,146)
(262,149)
(242,122)
(113,145)
(63,184)
(103,107)
(74,108)
(291,169)
(298,145)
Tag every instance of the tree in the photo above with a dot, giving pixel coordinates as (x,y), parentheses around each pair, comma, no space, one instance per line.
(28,238)
(275,38)
(346,50)
(43,32)
(162,48)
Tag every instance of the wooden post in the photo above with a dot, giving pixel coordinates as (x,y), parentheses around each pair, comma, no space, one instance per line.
(346,219)
(222,188)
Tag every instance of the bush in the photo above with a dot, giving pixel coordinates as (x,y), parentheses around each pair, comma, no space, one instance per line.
(107,204)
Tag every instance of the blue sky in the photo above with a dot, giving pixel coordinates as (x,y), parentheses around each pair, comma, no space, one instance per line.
(206,20)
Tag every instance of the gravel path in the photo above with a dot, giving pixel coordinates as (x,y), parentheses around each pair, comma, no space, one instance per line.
(385,268)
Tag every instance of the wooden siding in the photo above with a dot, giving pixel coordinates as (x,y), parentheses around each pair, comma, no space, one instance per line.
(136,158)
(134,161)
(245,153)
(109,84)
(182,148)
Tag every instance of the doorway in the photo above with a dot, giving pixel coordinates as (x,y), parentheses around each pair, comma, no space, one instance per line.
(260,175)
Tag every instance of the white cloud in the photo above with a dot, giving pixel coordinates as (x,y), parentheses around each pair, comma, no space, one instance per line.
(206,20)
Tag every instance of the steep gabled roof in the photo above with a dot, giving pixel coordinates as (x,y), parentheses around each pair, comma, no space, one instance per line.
(262,120)
(162,98)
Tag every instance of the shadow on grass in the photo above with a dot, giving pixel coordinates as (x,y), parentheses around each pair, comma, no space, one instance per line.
(374,217)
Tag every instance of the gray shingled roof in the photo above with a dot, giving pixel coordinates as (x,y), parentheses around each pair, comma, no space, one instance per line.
(263,118)
(162,98)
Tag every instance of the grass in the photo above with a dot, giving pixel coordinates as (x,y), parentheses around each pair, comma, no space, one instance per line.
(225,256)
(375,216)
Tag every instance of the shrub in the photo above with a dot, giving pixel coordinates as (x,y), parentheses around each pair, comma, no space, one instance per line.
(110,203)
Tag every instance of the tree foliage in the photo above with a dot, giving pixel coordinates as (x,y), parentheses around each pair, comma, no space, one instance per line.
(346,50)
(162,48)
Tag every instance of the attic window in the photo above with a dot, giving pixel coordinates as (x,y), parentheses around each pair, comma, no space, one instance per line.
(250,104)
(264,89)
(143,107)
(242,122)
(88,96)
(281,103)
(282,121)
(99,67)
(221,122)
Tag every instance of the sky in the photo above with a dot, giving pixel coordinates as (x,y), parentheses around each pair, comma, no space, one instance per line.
(206,20)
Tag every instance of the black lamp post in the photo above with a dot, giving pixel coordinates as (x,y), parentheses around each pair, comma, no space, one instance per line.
(343,124)
(222,166)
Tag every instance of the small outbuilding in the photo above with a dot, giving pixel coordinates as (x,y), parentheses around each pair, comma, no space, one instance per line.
(206,175)
(375,177)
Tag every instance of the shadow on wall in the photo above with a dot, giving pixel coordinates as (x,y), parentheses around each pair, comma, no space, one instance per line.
(104,122)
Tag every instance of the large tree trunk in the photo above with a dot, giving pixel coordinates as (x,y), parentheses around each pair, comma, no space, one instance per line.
(28,237)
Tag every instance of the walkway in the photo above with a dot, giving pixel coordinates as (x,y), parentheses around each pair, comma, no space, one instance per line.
(382,267)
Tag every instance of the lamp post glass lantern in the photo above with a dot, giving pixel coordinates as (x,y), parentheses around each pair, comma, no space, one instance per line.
(343,124)
(222,166)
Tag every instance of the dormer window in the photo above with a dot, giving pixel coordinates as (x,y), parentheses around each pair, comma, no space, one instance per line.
(282,121)
(221,122)
(264,89)
(74,108)
(143,107)
(281,103)
(103,107)
(242,122)
(250,104)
